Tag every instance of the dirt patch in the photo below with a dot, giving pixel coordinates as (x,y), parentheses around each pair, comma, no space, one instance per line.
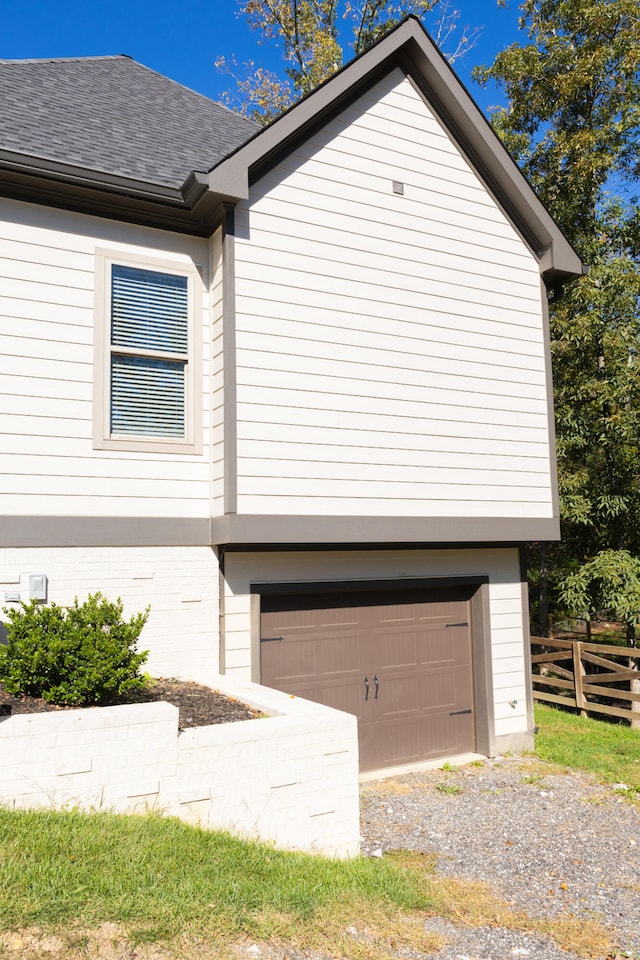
(199,706)
(107,942)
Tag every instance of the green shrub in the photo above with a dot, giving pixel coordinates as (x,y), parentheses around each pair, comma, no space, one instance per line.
(81,655)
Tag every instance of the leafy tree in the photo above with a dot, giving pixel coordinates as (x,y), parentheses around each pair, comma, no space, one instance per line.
(308,34)
(572,117)
(572,120)
(610,581)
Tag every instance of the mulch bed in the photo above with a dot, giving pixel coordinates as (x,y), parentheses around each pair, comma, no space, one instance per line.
(199,706)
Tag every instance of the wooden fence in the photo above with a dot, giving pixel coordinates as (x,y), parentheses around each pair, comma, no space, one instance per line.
(592,677)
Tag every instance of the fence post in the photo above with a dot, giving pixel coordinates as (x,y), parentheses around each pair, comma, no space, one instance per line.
(578,673)
(634,687)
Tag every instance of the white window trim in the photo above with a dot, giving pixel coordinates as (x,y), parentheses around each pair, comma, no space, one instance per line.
(102,436)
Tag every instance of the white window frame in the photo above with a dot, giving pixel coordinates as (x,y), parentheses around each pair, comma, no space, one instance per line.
(103,438)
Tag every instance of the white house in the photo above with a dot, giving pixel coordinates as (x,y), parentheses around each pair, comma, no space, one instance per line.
(291,387)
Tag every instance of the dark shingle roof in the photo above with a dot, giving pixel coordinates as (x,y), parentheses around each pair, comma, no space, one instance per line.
(113,115)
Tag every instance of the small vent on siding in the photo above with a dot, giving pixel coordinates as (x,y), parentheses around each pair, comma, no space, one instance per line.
(398,187)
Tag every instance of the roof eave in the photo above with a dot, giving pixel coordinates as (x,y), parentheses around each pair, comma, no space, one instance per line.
(84,177)
(191,208)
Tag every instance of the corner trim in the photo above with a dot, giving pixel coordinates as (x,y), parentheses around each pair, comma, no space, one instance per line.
(485,724)
(229,363)
(222,622)
(553,465)
(526,640)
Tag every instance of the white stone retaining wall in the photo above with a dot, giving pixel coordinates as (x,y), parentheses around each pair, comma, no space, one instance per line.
(290,777)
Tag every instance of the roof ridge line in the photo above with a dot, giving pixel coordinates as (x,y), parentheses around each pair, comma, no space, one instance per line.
(106,56)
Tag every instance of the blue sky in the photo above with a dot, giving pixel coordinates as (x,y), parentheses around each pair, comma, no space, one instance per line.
(183,42)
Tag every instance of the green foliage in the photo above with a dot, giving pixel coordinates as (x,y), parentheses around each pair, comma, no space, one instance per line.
(573,112)
(595,331)
(610,581)
(82,655)
(307,35)
(449,788)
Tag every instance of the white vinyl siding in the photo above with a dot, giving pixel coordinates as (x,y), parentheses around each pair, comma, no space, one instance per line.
(49,464)
(390,349)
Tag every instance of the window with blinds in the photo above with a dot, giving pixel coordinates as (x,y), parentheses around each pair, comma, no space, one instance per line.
(147,392)
(149,352)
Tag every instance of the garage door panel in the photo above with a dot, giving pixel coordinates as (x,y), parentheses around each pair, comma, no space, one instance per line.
(442,654)
(397,613)
(347,696)
(286,621)
(435,648)
(306,659)
(426,611)
(400,743)
(457,638)
(391,743)
(398,696)
(446,611)
(337,616)
(337,655)
(395,649)
(443,737)
(419,648)
(438,692)
(289,662)
(341,695)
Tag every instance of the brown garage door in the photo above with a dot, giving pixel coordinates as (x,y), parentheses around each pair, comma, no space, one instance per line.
(399,660)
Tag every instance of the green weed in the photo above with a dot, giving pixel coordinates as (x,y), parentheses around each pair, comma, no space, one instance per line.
(451,788)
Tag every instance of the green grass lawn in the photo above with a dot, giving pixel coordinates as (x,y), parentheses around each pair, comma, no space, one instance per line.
(161,877)
(609,751)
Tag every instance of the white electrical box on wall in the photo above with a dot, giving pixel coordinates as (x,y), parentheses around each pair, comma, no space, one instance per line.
(37,586)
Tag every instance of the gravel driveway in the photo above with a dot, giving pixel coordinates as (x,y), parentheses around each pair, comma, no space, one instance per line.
(548,842)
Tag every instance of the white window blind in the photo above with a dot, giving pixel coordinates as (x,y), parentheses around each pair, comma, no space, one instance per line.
(149,352)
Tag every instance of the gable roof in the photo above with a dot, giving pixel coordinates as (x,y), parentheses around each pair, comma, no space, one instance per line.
(410,48)
(108,136)
(113,115)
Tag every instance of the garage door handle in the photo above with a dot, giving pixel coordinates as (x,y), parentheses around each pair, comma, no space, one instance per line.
(270,639)
(366,688)
(459,713)
(464,624)
(375,680)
